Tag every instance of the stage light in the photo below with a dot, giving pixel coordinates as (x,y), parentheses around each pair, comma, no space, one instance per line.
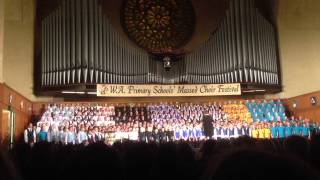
(167,63)
(73,92)
(92,93)
(256,90)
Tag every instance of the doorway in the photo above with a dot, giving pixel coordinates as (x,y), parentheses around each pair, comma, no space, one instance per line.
(9,120)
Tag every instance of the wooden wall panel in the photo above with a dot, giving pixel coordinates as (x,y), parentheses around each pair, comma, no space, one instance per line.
(22,108)
(304,107)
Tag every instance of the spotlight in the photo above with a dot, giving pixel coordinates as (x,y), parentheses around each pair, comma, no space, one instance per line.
(167,63)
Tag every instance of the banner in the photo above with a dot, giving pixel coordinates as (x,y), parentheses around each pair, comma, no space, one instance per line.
(158,90)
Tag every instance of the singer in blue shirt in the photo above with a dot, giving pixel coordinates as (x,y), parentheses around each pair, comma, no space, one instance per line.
(274,131)
(281,131)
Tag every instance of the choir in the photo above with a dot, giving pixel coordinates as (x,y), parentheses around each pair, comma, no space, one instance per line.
(164,122)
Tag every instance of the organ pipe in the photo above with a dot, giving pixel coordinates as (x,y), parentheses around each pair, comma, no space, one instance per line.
(43,54)
(91,39)
(55,50)
(50,50)
(96,40)
(73,42)
(78,39)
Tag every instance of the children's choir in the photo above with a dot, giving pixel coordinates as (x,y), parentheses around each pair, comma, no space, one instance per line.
(75,124)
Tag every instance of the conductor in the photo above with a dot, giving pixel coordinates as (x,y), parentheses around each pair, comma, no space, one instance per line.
(207,125)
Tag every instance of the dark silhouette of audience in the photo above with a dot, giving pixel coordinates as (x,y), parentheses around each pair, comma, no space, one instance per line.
(241,158)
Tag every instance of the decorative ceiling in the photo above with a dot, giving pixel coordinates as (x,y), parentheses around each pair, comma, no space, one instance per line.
(158,26)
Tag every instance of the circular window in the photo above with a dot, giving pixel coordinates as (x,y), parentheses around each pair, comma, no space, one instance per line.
(158,25)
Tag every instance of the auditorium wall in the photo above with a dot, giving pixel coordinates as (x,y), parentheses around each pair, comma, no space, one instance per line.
(1,37)
(18,49)
(299,43)
(304,108)
(18,52)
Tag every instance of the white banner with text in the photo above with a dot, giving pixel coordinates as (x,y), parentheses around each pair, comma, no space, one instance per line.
(158,90)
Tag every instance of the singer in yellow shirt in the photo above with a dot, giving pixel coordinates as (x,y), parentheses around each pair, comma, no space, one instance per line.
(260,132)
(254,132)
(267,132)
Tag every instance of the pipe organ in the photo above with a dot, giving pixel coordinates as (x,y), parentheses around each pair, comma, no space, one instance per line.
(79,46)
(243,49)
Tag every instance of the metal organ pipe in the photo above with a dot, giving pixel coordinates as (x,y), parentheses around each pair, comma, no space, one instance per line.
(146,67)
(46,50)
(104,50)
(249,41)
(67,41)
(100,45)
(56,68)
(108,46)
(117,59)
(258,40)
(50,49)
(214,67)
(63,32)
(253,38)
(226,59)
(78,39)
(263,51)
(203,62)
(84,33)
(63,45)
(43,47)
(200,64)
(229,52)
(111,67)
(209,64)
(125,63)
(121,63)
(268,53)
(234,41)
(96,40)
(274,56)
(55,49)
(243,39)
(220,60)
(129,57)
(221,78)
(208,73)
(91,39)
(59,73)
(271,47)
(73,42)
